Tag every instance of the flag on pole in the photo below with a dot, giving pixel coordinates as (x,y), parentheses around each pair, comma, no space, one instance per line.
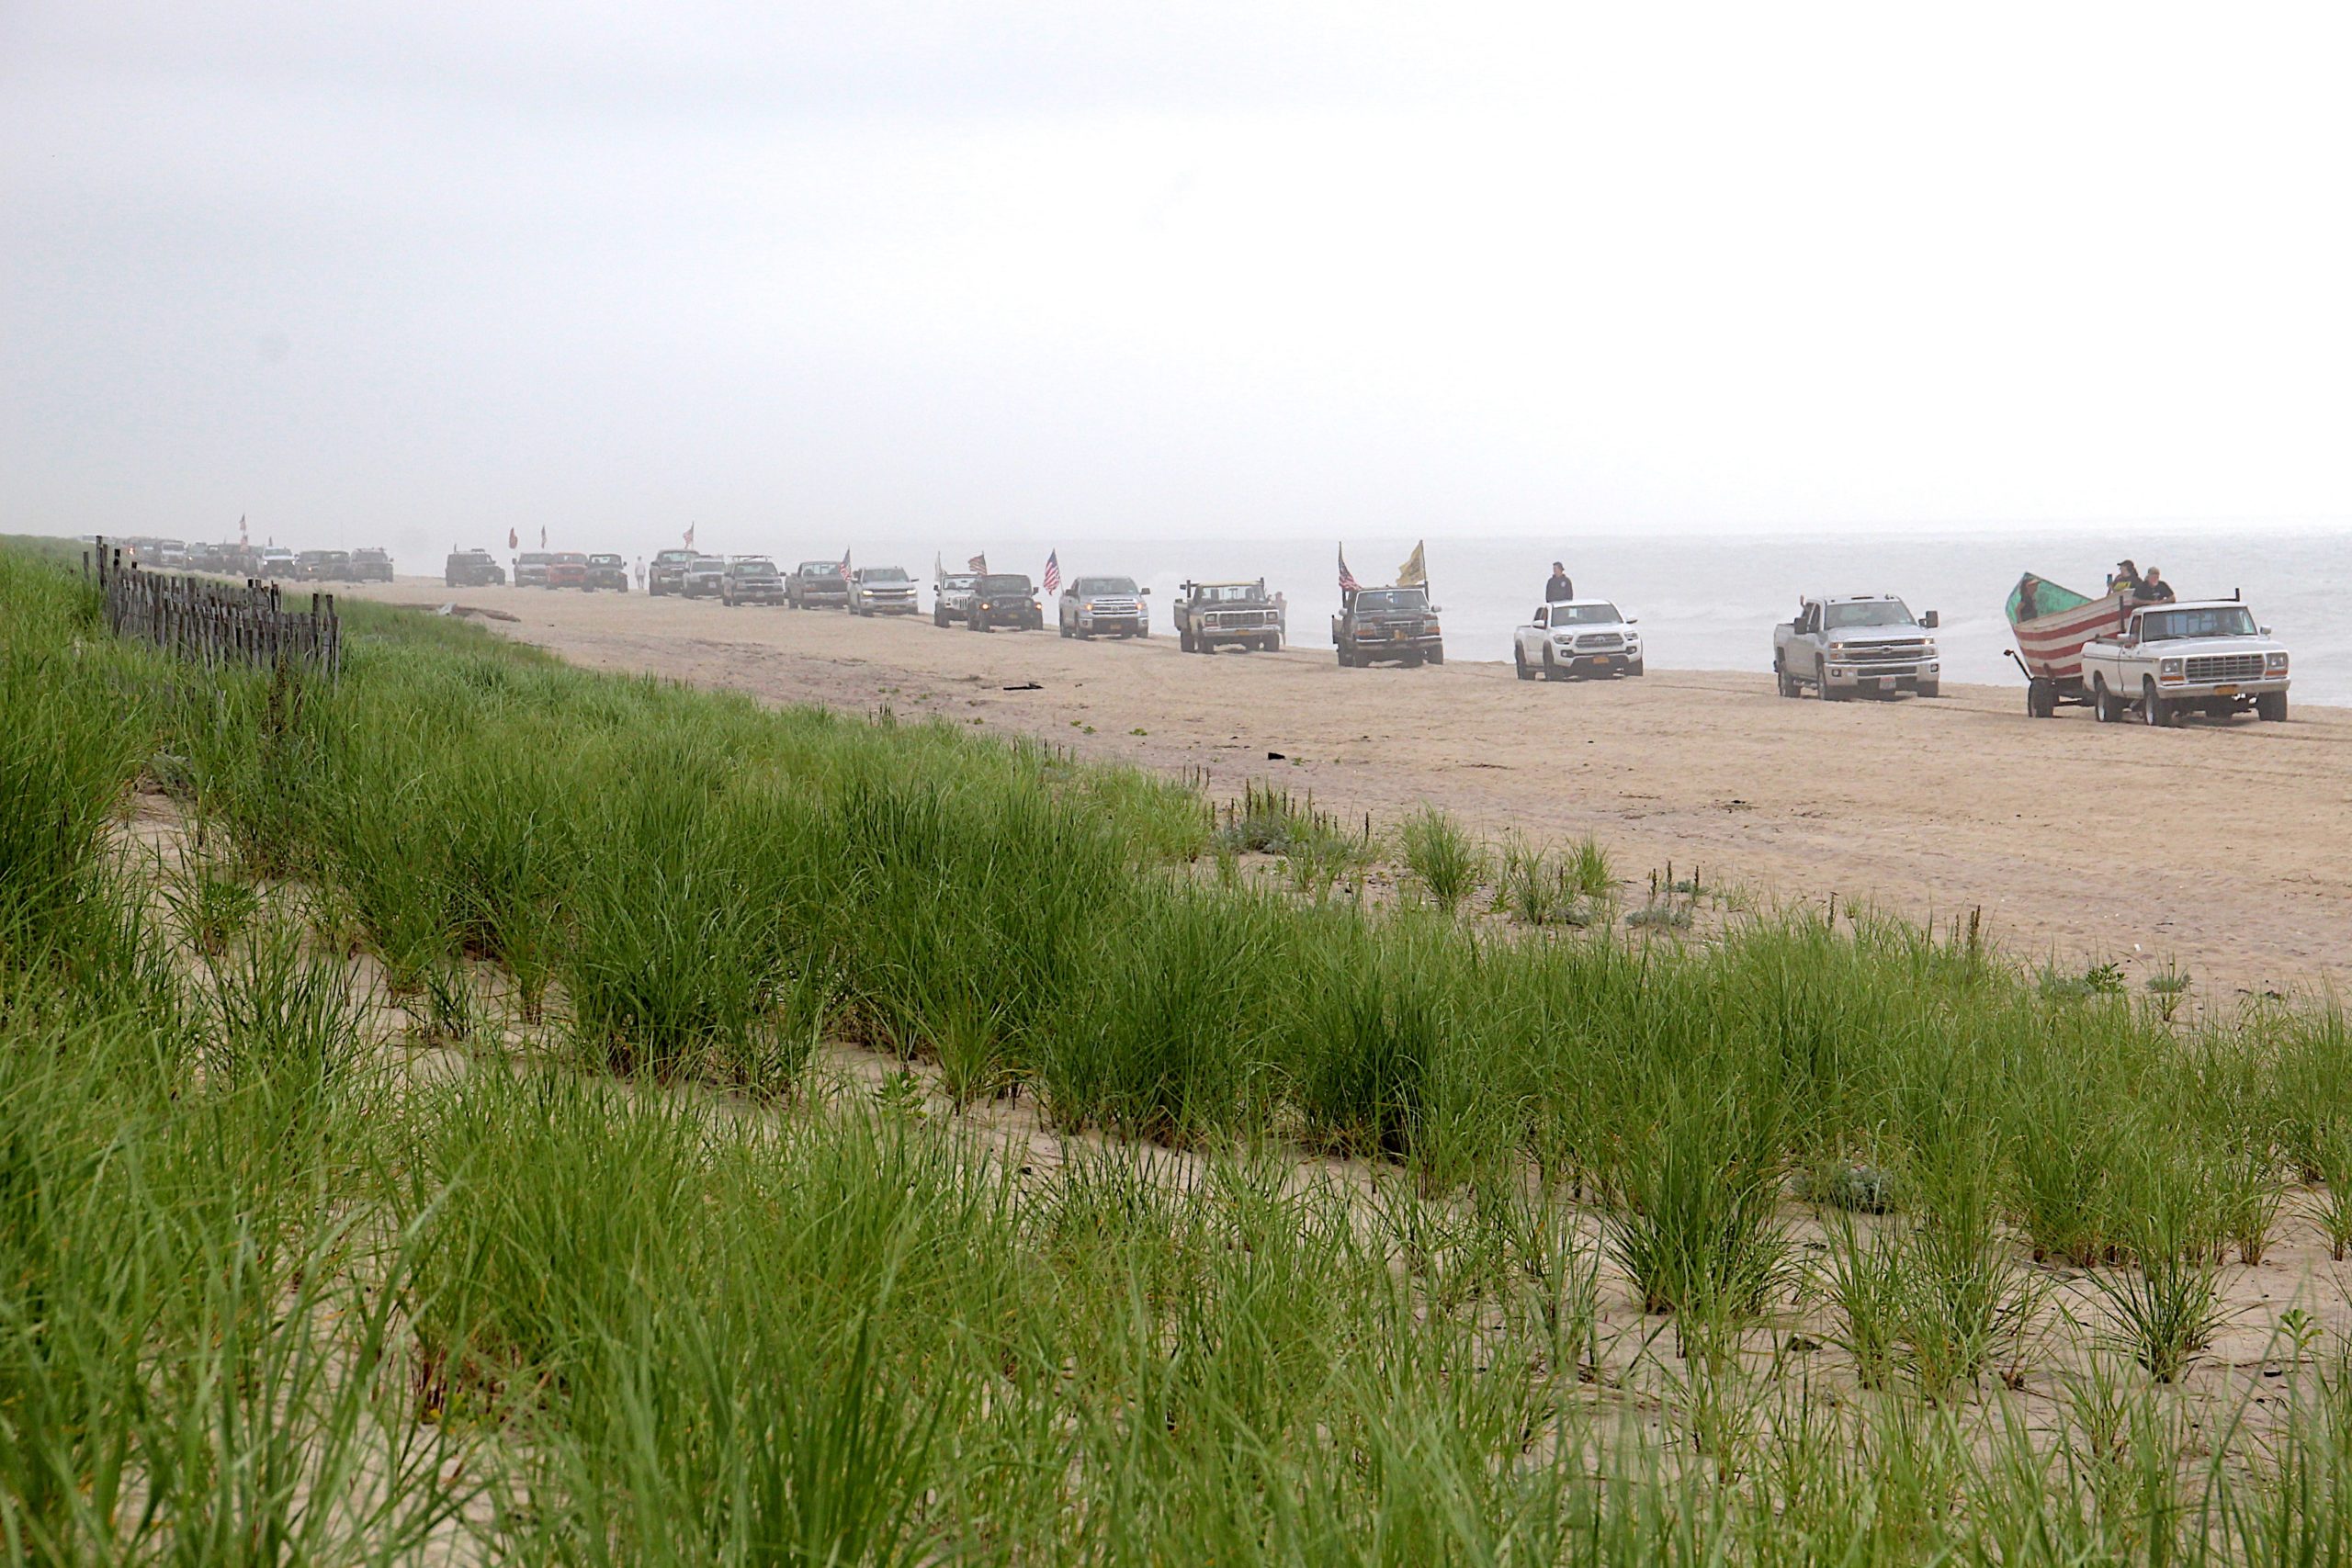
(938,567)
(242,539)
(979,563)
(845,563)
(543,535)
(1348,584)
(1415,573)
(690,535)
(1053,571)
(514,540)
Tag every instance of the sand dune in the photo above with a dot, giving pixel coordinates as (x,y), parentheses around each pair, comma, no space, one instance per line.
(2226,849)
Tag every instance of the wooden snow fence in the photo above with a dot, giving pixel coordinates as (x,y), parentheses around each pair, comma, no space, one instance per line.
(213,622)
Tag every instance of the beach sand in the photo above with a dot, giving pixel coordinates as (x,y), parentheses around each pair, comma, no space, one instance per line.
(2223,849)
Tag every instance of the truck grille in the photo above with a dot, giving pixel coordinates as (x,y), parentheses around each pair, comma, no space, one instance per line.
(1888,653)
(2226,667)
(1598,641)
(1111,609)
(1237,620)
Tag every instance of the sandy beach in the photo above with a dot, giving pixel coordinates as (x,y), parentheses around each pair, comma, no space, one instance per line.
(2226,850)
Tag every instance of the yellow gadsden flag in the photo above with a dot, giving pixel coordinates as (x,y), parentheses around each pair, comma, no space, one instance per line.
(1415,573)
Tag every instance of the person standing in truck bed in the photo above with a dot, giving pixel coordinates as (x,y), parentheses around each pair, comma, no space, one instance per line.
(1558,587)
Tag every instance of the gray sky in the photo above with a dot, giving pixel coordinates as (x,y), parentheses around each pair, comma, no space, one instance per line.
(417,271)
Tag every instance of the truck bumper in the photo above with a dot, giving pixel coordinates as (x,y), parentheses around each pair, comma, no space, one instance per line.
(1885,677)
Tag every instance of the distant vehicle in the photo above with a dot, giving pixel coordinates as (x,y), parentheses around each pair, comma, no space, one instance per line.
(2201,656)
(705,575)
(568,568)
(371,566)
(1103,606)
(276,563)
(322,566)
(818,585)
(606,571)
(172,553)
(1572,637)
(751,580)
(206,557)
(531,569)
(1003,599)
(473,569)
(668,572)
(1242,613)
(1397,625)
(883,591)
(950,596)
(1841,645)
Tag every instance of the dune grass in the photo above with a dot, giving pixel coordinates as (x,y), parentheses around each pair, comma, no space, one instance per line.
(267,1289)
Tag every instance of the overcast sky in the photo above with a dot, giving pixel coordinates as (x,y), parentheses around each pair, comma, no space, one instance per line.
(418,271)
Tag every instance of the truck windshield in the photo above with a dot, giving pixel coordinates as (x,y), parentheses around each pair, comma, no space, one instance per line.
(1868,613)
(2221,620)
(1227,592)
(1085,586)
(1584,615)
(1391,599)
(883,574)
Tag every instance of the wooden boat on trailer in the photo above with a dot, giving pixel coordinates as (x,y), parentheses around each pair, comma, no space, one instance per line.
(2051,623)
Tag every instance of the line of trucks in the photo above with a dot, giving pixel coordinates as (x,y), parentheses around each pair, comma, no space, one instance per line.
(2122,656)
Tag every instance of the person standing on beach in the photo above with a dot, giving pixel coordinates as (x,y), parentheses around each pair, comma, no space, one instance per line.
(1558,587)
(640,574)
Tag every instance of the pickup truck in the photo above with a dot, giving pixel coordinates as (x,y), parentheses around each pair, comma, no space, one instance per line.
(668,572)
(531,569)
(751,580)
(371,566)
(1243,614)
(1103,606)
(818,585)
(1572,637)
(1841,645)
(606,571)
(705,575)
(2203,656)
(322,566)
(1398,624)
(568,568)
(883,591)
(473,569)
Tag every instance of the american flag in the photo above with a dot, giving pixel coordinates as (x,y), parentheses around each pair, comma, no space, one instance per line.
(1348,584)
(543,535)
(845,563)
(690,535)
(979,563)
(1053,571)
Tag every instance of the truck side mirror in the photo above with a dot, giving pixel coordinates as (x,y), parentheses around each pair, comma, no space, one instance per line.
(1145,592)
(1931,620)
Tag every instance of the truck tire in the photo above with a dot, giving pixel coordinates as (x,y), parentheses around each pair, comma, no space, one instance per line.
(1343,651)
(1519,662)
(2270,707)
(2155,711)
(1185,641)
(1789,685)
(1821,681)
(1437,654)
(1550,665)
(2106,706)
(1634,669)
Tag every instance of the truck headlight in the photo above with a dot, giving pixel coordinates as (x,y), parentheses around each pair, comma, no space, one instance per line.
(2169,669)
(2275,663)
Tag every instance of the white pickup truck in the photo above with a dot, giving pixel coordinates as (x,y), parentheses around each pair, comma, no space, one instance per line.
(1576,636)
(1840,645)
(2204,655)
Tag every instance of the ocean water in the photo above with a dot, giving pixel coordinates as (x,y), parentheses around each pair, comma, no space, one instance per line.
(1710,602)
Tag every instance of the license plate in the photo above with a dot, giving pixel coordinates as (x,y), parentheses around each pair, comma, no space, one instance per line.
(2225,691)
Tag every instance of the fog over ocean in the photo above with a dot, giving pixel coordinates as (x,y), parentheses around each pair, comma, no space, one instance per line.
(1704,602)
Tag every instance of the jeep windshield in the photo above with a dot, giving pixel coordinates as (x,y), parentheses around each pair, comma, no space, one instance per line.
(1000,585)
(959,583)
(605,560)
(1404,601)
(1088,587)
(2219,620)
(1867,613)
(1584,615)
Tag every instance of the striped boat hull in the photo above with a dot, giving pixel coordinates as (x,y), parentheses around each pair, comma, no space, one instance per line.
(2051,645)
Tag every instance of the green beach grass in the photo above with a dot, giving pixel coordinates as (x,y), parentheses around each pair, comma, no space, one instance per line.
(440,1149)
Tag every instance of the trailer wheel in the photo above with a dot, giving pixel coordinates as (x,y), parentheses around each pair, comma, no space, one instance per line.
(2041,699)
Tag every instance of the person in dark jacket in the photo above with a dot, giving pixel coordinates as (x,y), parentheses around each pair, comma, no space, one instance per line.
(1558,587)
(2153,588)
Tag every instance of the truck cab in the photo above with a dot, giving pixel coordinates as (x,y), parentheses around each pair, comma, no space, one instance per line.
(668,572)
(1564,640)
(817,584)
(1845,645)
(751,579)
(2198,655)
(1243,614)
